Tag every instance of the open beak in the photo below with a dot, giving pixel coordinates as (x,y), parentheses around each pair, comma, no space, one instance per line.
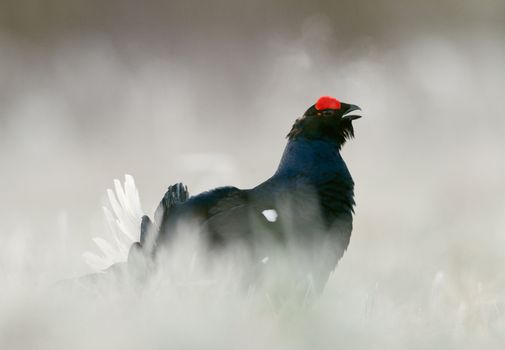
(350,109)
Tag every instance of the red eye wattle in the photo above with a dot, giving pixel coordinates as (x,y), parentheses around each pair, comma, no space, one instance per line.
(327,102)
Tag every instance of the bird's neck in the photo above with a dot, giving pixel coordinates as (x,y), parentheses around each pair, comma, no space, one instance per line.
(317,160)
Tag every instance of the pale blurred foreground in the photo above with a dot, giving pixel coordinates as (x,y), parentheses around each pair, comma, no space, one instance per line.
(191,304)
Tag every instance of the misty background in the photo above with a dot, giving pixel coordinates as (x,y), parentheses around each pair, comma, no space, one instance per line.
(205,92)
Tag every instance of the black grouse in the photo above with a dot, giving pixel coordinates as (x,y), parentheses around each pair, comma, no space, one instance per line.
(306,207)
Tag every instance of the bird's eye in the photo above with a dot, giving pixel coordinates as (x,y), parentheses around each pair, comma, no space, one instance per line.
(328,113)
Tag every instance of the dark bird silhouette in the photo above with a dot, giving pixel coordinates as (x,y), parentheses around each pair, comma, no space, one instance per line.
(305,207)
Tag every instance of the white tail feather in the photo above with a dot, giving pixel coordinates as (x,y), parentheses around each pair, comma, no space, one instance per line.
(123,219)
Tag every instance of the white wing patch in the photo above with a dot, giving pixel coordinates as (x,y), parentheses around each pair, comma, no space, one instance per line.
(270,214)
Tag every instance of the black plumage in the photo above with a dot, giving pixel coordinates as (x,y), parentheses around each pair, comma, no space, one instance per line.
(311,194)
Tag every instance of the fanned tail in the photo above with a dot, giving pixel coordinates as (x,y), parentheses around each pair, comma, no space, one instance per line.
(123,216)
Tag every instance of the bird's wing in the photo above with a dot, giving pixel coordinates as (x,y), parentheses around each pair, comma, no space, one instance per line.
(222,212)
(231,216)
(240,214)
(278,209)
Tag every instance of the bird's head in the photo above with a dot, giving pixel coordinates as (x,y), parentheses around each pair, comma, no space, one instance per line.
(328,119)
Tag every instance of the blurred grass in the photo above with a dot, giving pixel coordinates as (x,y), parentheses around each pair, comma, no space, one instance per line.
(95,89)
